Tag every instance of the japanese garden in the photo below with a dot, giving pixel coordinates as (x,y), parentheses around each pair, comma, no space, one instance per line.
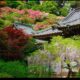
(39,39)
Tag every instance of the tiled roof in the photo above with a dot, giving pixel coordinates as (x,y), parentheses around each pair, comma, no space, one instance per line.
(43,33)
(73,18)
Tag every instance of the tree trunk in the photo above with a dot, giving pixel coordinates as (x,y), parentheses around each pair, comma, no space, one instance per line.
(70,71)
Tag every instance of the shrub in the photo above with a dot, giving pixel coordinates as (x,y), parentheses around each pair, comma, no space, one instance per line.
(47,6)
(64,51)
(36,7)
(14,68)
(55,55)
(1,23)
(11,16)
(8,18)
(76,37)
(53,7)
(14,4)
(77,75)
(30,47)
(38,71)
(12,43)
(4,23)
(5,75)
(41,59)
(64,11)
(30,4)
(34,14)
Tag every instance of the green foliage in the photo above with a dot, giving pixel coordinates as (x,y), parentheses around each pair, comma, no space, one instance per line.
(40,64)
(14,68)
(76,37)
(14,3)
(59,51)
(5,75)
(36,7)
(4,23)
(53,7)
(22,5)
(64,11)
(1,23)
(30,47)
(8,19)
(30,4)
(63,46)
(78,75)
(38,71)
(11,16)
(47,6)
(65,42)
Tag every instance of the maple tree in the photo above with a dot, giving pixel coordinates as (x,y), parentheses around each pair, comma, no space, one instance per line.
(12,42)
